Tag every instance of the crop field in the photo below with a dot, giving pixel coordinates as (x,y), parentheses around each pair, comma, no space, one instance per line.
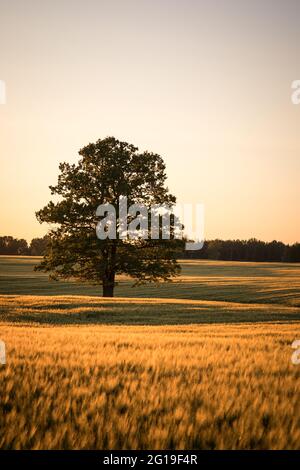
(201,363)
(202,280)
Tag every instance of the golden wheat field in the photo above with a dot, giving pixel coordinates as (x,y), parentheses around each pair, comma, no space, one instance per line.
(146,373)
(135,387)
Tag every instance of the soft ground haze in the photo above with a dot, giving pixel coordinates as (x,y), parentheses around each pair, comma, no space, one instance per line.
(204,83)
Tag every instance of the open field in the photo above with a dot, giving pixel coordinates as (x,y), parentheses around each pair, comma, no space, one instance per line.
(202,280)
(134,387)
(82,310)
(206,366)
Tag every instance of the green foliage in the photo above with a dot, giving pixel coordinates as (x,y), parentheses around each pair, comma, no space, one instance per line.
(38,246)
(106,170)
(13,246)
(246,250)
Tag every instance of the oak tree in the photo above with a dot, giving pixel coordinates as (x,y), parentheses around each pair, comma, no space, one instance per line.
(106,170)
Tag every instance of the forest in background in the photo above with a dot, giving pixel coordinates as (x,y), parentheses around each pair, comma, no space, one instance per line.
(224,250)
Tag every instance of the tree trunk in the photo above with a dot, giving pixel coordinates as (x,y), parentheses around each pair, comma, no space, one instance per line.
(108,288)
(108,280)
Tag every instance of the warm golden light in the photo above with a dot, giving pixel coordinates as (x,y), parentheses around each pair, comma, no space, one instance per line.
(205,84)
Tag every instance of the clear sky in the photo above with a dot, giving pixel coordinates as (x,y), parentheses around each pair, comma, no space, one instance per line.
(204,83)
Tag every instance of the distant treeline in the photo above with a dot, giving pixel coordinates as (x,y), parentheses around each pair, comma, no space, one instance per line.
(18,246)
(246,250)
(226,250)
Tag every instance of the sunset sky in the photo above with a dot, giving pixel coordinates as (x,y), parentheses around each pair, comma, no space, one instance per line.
(204,83)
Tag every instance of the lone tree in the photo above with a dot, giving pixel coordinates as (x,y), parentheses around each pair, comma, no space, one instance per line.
(107,170)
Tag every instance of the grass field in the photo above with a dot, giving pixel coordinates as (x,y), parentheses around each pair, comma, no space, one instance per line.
(202,363)
(202,280)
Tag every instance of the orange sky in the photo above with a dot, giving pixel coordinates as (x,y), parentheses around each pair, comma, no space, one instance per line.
(207,84)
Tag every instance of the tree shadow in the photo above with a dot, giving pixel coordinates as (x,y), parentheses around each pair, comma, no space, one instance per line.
(97,312)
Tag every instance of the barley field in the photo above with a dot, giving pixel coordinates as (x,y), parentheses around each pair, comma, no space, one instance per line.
(201,367)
